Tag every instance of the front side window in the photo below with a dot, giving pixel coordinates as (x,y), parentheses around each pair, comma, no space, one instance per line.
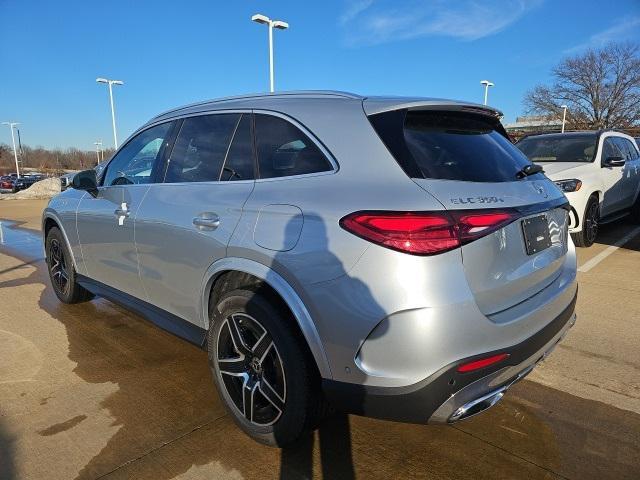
(627,148)
(134,163)
(201,147)
(611,149)
(283,150)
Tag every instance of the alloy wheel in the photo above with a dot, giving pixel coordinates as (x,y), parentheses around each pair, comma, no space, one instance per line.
(58,267)
(591,222)
(251,369)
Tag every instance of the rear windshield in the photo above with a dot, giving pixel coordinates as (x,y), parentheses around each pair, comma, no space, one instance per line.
(564,147)
(449,145)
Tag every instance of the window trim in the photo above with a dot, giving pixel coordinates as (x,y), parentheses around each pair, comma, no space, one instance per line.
(178,119)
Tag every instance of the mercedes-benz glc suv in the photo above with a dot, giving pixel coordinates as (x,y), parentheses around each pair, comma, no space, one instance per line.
(391,257)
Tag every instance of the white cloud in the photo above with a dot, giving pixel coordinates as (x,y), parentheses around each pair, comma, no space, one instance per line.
(367,22)
(621,30)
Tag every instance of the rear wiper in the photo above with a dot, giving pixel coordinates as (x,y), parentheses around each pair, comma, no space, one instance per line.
(530,169)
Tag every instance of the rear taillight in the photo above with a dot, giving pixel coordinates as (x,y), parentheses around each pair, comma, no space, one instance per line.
(482,363)
(425,233)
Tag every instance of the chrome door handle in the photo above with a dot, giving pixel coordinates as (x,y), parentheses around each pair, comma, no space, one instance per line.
(207,221)
(122,213)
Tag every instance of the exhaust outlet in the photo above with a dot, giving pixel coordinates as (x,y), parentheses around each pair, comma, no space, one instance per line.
(478,405)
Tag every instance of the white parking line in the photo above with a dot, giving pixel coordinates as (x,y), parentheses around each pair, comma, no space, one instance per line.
(588,265)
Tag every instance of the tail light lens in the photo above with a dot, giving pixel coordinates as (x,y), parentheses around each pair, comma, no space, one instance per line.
(425,233)
(482,363)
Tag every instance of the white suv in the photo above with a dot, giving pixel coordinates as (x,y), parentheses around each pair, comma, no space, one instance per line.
(599,172)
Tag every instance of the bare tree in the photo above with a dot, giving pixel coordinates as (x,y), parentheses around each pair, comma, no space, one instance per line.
(601,89)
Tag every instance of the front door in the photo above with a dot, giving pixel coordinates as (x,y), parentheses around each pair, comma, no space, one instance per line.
(184,223)
(612,178)
(106,220)
(631,173)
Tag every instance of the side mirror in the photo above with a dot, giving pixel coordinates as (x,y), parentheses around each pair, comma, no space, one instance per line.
(85,180)
(614,162)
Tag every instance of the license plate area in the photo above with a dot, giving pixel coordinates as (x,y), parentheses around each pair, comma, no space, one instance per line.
(536,234)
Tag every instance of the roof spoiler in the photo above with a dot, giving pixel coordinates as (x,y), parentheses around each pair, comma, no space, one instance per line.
(373,106)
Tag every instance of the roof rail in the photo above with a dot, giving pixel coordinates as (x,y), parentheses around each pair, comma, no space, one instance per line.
(327,93)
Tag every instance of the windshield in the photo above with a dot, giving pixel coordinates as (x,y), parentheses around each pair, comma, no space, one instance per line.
(559,148)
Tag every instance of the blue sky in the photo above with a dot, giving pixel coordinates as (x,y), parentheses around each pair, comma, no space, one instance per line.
(172,53)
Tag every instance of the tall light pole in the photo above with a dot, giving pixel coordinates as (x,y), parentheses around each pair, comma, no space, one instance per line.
(280,25)
(486,84)
(98,145)
(12,125)
(113,113)
(564,115)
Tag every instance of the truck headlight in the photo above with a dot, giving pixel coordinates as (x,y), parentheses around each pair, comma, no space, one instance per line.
(572,185)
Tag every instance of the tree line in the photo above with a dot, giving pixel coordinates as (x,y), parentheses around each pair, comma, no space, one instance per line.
(49,160)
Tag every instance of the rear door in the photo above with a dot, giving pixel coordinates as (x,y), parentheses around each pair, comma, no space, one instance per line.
(106,221)
(466,162)
(185,222)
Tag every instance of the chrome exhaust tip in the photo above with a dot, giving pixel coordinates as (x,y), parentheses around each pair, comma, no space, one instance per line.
(478,405)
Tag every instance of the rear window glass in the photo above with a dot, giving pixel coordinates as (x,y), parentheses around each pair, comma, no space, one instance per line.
(449,146)
(565,147)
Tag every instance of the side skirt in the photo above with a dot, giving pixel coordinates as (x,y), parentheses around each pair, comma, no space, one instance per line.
(163,319)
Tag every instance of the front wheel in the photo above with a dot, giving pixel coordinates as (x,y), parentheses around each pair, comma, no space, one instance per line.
(587,236)
(262,372)
(61,271)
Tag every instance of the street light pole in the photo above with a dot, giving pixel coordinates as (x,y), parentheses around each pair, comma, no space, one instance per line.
(564,116)
(12,125)
(486,84)
(280,25)
(113,113)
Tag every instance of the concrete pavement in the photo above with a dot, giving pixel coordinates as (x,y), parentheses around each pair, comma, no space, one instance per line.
(94,391)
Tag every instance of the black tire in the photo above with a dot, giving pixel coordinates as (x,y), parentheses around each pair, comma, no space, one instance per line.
(61,271)
(635,211)
(587,236)
(285,361)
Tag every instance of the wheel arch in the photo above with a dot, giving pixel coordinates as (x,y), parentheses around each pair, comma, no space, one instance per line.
(50,220)
(282,288)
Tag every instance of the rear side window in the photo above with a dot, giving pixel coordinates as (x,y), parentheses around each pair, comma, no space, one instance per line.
(239,163)
(283,150)
(449,146)
(201,147)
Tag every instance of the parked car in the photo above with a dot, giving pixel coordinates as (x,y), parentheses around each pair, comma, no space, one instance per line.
(65,180)
(391,257)
(599,173)
(8,184)
(24,182)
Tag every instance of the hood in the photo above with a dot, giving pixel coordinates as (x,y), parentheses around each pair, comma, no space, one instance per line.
(552,169)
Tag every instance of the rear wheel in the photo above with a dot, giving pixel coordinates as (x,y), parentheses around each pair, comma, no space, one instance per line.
(260,368)
(590,220)
(61,271)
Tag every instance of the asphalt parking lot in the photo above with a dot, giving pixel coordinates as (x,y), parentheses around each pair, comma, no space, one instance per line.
(92,391)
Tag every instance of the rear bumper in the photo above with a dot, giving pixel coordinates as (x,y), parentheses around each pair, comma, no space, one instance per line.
(448,395)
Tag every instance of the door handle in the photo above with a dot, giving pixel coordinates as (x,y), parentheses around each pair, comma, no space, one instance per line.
(122,213)
(207,221)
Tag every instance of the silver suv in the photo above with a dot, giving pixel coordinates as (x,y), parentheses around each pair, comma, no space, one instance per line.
(390,257)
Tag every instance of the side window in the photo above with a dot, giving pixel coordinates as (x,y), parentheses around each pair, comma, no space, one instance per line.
(629,148)
(200,148)
(283,150)
(134,163)
(610,149)
(239,162)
